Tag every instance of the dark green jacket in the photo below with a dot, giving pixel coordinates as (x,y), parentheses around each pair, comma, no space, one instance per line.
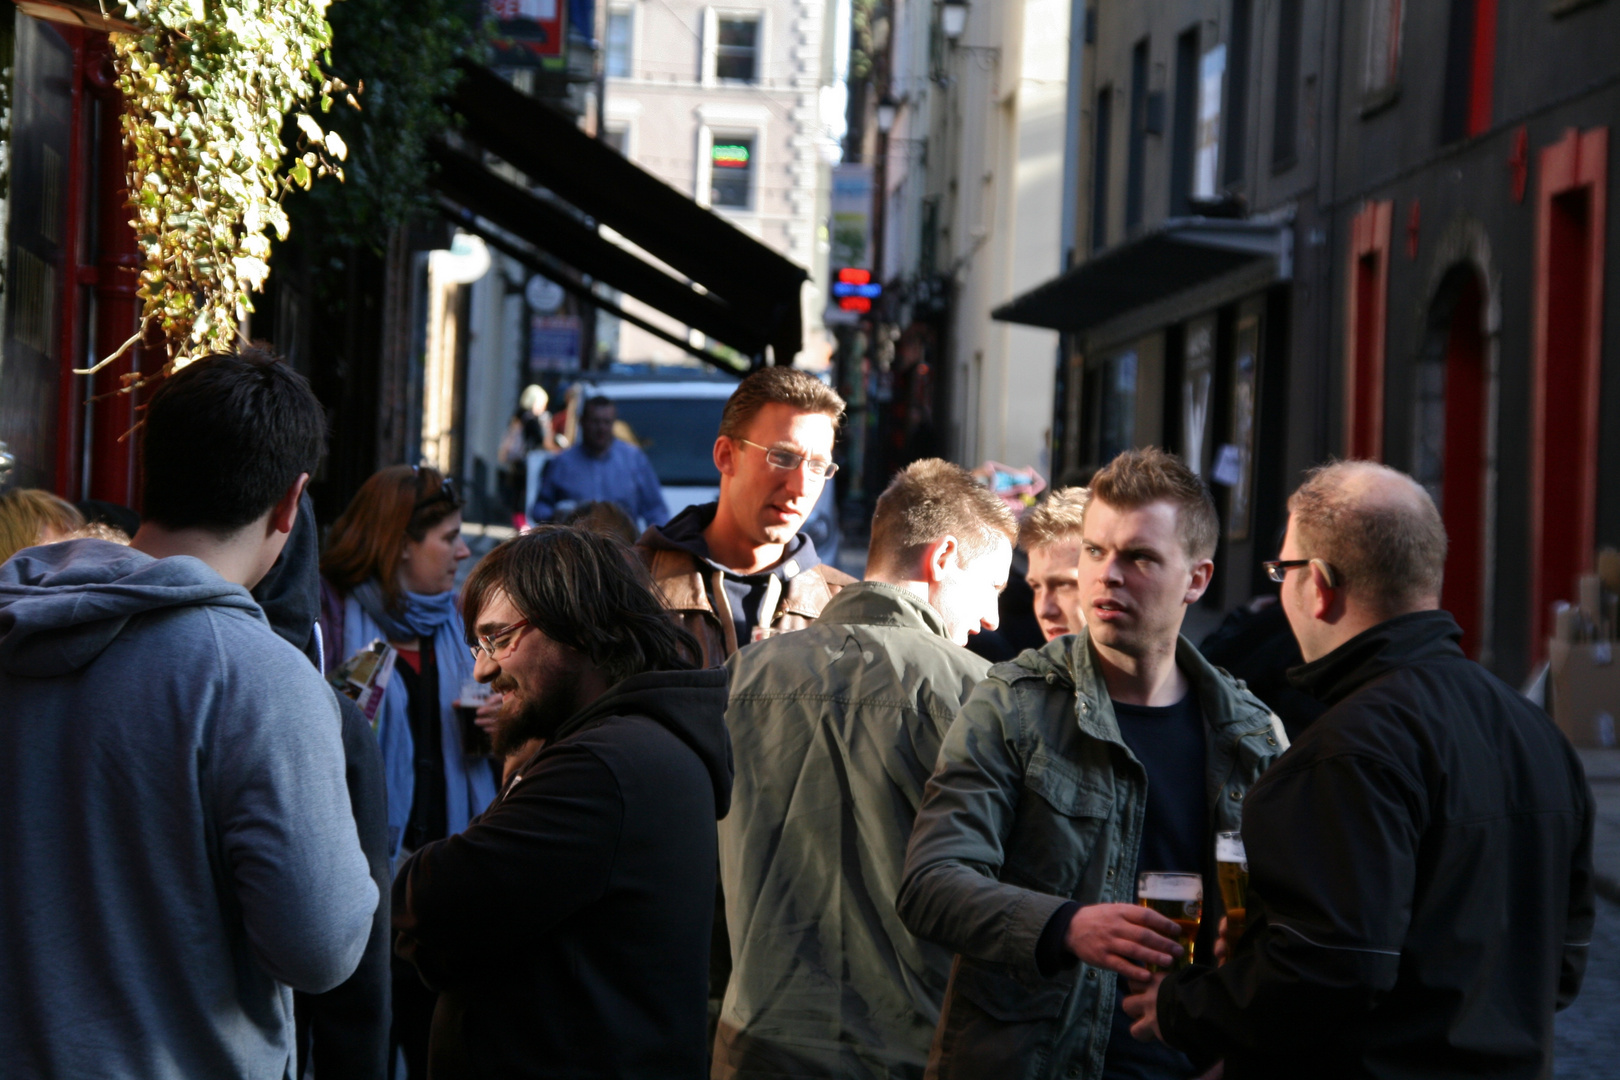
(835,730)
(1038,801)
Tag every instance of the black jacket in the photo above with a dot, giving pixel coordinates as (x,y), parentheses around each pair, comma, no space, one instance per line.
(567,929)
(343,1032)
(1420,892)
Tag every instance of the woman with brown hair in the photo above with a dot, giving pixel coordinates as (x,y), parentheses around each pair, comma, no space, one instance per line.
(389,572)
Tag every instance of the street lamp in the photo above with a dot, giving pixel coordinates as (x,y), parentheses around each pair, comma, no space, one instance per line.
(953,18)
(887,109)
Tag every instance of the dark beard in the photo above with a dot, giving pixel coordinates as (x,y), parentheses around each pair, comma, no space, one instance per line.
(541,717)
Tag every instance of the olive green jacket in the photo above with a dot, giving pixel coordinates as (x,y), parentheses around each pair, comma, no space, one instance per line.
(1037,801)
(835,730)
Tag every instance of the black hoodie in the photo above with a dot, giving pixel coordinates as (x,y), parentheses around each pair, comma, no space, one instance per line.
(345,1030)
(567,928)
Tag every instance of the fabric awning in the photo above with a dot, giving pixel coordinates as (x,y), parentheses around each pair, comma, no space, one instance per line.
(745,294)
(1184,254)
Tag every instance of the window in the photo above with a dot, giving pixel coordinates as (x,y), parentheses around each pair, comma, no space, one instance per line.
(736,54)
(1470,69)
(618,43)
(1136,164)
(1207,148)
(1285,120)
(731,173)
(1365,319)
(1099,169)
(1116,421)
(1186,118)
(614,135)
(1237,102)
(1384,18)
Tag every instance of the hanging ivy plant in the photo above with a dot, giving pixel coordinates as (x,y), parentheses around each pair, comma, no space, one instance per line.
(209,85)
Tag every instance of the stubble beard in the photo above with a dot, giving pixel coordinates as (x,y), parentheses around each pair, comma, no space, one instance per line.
(538,717)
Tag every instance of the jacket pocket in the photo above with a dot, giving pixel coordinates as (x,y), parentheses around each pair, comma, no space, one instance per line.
(1062,817)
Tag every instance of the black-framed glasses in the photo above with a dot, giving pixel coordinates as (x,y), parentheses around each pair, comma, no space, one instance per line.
(787,459)
(1277,570)
(490,644)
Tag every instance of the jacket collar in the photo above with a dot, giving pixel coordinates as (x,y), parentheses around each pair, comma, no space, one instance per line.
(877,603)
(1071,661)
(1397,642)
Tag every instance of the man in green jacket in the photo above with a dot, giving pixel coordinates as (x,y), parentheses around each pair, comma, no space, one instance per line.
(835,729)
(1110,751)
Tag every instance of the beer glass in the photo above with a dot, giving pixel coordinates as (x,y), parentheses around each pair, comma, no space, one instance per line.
(1232,871)
(1179,898)
(475,741)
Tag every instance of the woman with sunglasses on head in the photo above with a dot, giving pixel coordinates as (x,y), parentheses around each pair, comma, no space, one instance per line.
(389,571)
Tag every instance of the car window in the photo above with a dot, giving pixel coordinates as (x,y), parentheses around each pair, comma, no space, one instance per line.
(677,435)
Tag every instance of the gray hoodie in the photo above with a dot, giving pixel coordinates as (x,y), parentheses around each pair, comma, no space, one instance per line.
(179,849)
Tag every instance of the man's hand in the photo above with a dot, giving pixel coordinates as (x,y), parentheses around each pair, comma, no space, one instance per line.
(1142,1006)
(1120,937)
(1226,941)
(489,713)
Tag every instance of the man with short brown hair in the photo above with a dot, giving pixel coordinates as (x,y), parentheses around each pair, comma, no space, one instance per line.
(739,568)
(1420,890)
(1108,751)
(834,732)
(1049,533)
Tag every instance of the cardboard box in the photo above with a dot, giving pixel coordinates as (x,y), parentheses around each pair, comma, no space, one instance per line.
(1584,681)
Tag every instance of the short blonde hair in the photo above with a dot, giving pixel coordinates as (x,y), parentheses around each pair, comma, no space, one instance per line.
(1055,519)
(927,500)
(25,514)
(1137,478)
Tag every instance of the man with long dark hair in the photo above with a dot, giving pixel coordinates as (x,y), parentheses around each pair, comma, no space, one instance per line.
(567,928)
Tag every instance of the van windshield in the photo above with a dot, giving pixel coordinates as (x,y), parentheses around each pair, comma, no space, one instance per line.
(677,435)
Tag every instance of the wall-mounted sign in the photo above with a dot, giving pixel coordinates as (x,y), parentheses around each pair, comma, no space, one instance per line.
(544,295)
(530,33)
(554,343)
(854,290)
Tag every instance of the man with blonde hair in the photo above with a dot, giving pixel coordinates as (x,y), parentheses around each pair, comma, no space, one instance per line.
(1420,864)
(1049,533)
(834,732)
(1115,749)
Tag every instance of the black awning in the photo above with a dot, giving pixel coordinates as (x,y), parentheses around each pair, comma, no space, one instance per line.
(471,184)
(759,286)
(1184,254)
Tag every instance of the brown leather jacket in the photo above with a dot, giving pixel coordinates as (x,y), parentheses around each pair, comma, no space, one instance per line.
(679,576)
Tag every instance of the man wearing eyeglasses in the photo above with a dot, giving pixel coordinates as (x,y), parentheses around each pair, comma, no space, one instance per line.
(739,569)
(1420,863)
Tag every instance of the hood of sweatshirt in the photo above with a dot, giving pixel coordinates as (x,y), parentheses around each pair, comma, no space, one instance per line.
(62,604)
(690,704)
(684,532)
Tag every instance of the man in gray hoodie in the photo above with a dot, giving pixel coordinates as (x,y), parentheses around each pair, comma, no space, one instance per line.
(180,851)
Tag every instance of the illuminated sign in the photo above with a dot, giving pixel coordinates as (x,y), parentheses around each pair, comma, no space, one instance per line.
(850,284)
(730,156)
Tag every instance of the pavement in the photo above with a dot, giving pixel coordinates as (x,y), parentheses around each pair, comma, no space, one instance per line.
(1603,773)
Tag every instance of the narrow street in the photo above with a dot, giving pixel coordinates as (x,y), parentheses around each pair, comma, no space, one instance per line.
(1589,1030)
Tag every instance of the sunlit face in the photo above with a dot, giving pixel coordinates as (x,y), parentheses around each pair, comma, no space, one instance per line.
(1136,578)
(429,564)
(766,504)
(1054,577)
(538,677)
(969,597)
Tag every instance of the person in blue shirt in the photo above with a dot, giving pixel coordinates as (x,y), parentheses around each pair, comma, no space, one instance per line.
(600,468)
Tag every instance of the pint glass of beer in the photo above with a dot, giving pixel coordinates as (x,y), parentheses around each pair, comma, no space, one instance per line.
(1178,897)
(1232,871)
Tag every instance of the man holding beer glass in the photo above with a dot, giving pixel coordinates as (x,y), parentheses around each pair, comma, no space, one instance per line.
(1110,751)
(1422,889)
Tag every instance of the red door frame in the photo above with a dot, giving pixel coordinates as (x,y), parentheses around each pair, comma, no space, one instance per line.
(1366,319)
(1570,230)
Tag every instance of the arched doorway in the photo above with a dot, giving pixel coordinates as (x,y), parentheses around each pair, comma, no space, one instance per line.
(1450,441)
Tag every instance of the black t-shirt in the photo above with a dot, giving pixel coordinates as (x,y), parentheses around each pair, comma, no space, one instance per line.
(1169,741)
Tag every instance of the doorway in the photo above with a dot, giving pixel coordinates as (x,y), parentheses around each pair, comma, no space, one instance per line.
(1450,443)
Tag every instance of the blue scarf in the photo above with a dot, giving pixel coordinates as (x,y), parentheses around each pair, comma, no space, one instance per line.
(468,784)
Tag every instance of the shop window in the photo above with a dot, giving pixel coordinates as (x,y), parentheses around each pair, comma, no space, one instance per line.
(731,174)
(1116,406)
(736,54)
(1570,227)
(1365,325)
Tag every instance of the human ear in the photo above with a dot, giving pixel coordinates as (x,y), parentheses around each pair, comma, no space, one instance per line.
(285,513)
(937,559)
(1202,572)
(724,455)
(1323,585)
